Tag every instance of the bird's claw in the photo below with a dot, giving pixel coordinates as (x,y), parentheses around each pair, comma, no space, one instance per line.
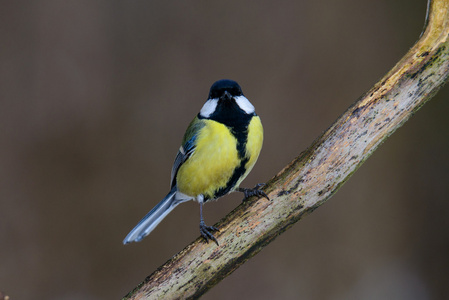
(253,192)
(206,232)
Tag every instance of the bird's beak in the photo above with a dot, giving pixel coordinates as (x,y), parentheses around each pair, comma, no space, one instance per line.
(226,96)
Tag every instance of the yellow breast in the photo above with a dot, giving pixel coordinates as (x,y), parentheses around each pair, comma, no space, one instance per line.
(215,159)
(213,162)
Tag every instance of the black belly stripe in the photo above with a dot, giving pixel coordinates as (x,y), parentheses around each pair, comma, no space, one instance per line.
(238,172)
(237,121)
(241,134)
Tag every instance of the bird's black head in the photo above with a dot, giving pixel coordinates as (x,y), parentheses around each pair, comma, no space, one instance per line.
(220,87)
(227,104)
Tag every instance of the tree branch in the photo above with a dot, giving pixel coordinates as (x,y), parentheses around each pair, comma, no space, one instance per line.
(314,176)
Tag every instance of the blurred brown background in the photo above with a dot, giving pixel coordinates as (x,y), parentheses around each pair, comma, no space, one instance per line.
(96,95)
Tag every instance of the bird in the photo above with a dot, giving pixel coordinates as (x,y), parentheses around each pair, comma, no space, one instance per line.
(218,150)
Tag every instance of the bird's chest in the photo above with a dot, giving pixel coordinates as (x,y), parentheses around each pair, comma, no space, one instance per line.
(213,162)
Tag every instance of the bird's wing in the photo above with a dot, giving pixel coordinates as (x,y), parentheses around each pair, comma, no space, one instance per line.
(187,148)
(183,154)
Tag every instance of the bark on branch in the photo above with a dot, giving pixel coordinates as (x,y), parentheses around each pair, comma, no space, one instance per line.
(314,176)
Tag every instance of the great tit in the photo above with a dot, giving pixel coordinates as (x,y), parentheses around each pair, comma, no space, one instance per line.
(219,149)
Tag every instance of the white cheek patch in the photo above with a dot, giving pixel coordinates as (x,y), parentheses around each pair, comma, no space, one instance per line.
(208,108)
(244,104)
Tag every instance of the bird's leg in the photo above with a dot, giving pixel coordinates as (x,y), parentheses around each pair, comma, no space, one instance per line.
(253,192)
(206,230)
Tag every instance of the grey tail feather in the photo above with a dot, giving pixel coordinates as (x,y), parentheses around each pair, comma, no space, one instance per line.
(153,218)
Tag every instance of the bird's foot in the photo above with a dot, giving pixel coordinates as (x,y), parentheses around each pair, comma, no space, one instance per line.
(206,232)
(253,192)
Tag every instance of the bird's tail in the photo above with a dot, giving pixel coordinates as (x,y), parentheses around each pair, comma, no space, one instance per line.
(153,218)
